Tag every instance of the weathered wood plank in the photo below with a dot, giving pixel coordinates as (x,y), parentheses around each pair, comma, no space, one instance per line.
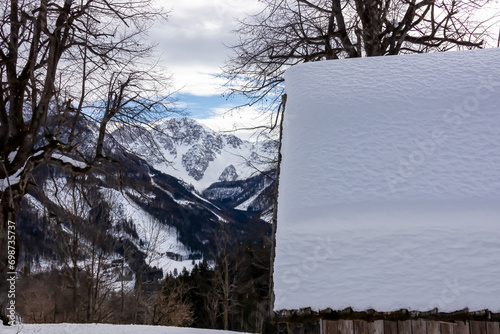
(346,327)
(331,327)
(390,327)
(361,327)
(462,327)
(376,327)
(404,327)
(418,326)
(493,327)
(447,328)
(433,327)
(477,327)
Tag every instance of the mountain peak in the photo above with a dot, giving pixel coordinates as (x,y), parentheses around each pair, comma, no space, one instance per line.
(200,156)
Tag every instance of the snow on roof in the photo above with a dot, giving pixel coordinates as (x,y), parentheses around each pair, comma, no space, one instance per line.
(389,191)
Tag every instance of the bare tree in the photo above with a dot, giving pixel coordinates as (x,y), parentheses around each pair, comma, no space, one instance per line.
(155,238)
(70,198)
(288,32)
(64,63)
(100,244)
(83,216)
(225,279)
(171,308)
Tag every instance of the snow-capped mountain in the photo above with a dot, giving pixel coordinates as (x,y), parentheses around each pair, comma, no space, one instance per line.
(177,181)
(194,153)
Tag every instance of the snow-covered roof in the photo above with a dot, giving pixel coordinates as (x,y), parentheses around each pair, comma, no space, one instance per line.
(389,192)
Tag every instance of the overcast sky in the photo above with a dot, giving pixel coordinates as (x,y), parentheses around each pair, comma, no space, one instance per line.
(192,46)
(192,43)
(193,38)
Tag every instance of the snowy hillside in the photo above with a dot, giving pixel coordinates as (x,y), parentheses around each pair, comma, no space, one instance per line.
(390,184)
(124,230)
(162,220)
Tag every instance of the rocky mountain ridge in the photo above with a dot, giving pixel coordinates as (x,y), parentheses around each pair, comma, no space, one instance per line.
(178,181)
(194,153)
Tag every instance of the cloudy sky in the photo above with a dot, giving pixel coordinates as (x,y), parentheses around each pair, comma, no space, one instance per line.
(192,45)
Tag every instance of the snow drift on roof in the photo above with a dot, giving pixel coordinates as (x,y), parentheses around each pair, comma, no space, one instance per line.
(390,184)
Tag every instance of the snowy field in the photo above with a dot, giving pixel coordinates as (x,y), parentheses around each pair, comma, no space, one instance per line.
(103,329)
(390,184)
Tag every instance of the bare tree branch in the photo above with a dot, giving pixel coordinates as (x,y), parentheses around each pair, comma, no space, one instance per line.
(288,32)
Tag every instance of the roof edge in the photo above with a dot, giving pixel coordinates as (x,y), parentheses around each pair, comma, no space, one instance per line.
(308,315)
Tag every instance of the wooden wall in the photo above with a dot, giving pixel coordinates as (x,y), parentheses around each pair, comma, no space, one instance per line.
(409,327)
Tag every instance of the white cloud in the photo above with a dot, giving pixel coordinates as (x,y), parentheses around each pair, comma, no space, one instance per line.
(242,121)
(192,40)
(197,80)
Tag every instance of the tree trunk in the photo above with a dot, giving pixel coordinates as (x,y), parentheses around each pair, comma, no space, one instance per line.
(225,313)
(74,259)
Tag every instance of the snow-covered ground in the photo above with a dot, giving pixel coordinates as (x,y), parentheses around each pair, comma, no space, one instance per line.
(102,329)
(390,184)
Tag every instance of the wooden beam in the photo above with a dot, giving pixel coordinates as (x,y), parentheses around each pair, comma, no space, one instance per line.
(477,327)
(376,327)
(493,327)
(462,327)
(404,327)
(361,327)
(390,327)
(330,327)
(433,327)
(447,328)
(418,326)
(346,327)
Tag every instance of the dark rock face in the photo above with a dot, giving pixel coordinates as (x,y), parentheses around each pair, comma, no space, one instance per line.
(229,174)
